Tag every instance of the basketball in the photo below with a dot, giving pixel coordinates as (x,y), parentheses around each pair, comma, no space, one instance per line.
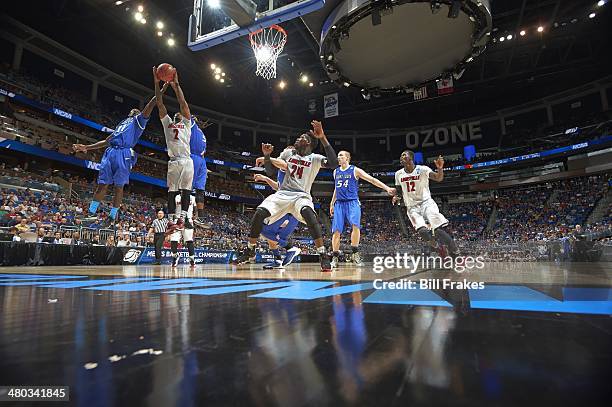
(166,72)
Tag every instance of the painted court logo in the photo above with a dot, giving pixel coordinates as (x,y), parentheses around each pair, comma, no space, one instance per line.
(500,297)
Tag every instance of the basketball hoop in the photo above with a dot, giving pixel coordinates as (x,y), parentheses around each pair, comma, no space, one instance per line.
(267,44)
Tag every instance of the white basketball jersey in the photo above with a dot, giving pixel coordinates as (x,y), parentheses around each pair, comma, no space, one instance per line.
(177,137)
(415,186)
(192,204)
(301,171)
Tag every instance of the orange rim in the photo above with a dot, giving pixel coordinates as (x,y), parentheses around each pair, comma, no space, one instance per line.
(274,27)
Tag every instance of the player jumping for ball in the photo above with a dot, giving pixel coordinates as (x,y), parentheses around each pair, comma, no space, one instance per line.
(197,146)
(180,165)
(345,207)
(119,157)
(186,233)
(293,195)
(414,181)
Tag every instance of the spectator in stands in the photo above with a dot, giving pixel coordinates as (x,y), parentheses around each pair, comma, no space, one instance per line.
(110,241)
(40,235)
(23,226)
(57,238)
(15,234)
(67,237)
(124,240)
(76,239)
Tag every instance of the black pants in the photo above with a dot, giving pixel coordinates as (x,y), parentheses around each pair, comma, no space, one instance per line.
(158,240)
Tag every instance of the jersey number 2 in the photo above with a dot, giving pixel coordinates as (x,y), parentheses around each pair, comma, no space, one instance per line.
(411,186)
(176,134)
(297,171)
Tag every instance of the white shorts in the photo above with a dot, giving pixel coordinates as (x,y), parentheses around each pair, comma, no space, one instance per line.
(180,174)
(186,234)
(427,210)
(281,203)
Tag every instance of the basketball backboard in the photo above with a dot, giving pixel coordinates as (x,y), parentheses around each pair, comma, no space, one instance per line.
(215,22)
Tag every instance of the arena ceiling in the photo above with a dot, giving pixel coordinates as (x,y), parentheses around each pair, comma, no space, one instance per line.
(571,50)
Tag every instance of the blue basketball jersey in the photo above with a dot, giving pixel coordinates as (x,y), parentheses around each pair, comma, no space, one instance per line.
(280,176)
(197,143)
(128,132)
(347,186)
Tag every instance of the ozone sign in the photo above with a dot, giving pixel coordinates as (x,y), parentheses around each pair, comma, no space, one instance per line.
(442,136)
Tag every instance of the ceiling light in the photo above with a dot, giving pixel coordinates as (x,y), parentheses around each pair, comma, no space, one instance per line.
(311,84)
(509,37)
(222,73)
(159,25)
(282,84)
(346,84)
(171,42)
(143,21)
(222,80)
(540,29)
(213,3)
(304,78)
(601,3)
(118,3)
(138,16)
(140,8)
(592,15)
(502,39)
(217,76)
(159,33)
(217,70)
(522,33)
(213,66)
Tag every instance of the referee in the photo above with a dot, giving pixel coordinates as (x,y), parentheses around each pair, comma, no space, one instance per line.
(159,227)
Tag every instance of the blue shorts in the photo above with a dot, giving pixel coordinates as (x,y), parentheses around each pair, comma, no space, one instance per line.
(280,234)
(199,171)
(116,165)
(346,212)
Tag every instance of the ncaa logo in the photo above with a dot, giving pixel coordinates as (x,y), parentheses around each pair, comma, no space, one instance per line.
(132,256)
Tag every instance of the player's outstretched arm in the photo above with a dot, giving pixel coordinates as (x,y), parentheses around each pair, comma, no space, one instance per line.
(438,175)
(262,178)
(181,97)
(161,108)
(148,109)
(361,174)
(330,155)
(83,148)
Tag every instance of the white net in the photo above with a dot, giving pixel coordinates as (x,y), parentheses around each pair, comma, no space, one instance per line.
(268,44)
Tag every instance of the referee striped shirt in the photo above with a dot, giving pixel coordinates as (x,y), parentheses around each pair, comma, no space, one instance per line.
(160,225)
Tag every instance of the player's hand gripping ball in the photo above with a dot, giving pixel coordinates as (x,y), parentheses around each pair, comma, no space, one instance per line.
(166,72)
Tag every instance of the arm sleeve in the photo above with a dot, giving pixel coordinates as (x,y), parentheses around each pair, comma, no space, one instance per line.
(331,159)
(269,167)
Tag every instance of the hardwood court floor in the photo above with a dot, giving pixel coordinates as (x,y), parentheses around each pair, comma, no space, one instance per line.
(539,334)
